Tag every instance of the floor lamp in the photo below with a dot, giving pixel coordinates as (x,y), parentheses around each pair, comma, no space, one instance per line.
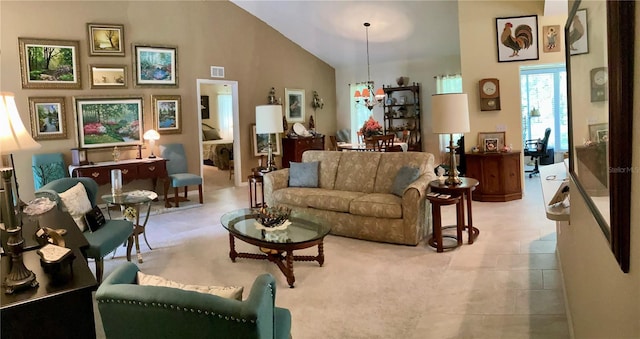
(14,137)
(269,121)
(449,115)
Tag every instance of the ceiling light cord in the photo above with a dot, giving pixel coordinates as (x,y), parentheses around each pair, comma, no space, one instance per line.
(366,25)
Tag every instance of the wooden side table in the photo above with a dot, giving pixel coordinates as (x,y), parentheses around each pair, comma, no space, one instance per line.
(436,239)
(463,190)
(255,183)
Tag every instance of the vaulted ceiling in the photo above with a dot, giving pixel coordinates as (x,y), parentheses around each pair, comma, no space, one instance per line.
(334,31)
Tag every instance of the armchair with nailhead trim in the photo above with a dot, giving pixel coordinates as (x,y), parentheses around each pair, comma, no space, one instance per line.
(132,311)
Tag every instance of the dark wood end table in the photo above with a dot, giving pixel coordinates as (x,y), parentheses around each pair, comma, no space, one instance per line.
(463,190)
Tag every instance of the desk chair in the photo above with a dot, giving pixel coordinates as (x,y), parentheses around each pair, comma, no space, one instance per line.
(102,241)
(537,149)
(177,171)
(47,167)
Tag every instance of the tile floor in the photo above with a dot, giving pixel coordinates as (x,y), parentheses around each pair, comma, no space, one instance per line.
(505,286)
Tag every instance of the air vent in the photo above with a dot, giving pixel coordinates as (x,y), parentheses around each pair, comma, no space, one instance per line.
(217,72)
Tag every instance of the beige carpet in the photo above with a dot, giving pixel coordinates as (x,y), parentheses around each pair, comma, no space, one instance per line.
(506,285)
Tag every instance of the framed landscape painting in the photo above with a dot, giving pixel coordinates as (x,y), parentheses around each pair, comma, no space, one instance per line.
(155,66)
(108,76)
(108,121)
(48,118)
(167,113)
(261,143)
(294,104)
(46,63)
(106,39)
(517,38)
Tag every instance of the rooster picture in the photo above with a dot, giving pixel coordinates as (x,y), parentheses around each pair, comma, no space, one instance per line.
(576,32)
(521,39)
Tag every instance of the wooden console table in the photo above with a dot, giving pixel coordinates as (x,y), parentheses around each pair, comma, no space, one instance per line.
(132,169)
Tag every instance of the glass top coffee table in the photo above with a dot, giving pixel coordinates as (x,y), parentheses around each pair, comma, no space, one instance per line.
(276,246)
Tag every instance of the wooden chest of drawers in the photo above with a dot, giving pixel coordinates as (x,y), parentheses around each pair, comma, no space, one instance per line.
(292,148)
(131,170)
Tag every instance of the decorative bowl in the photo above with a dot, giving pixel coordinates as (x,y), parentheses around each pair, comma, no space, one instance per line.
(402,81)
(272,216)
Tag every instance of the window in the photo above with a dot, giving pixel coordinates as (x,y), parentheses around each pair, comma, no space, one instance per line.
(544,104)
(359,113)
(225,116)
(448,84)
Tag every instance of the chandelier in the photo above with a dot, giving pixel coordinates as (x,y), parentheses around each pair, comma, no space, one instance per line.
(367,97)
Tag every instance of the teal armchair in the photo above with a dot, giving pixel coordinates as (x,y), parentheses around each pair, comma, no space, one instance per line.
(104,240)
(132,311)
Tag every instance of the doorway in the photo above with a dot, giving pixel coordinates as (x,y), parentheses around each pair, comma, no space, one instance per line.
(220,164)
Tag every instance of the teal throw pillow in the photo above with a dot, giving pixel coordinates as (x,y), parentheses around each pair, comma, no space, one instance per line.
(405,176)
(303,174)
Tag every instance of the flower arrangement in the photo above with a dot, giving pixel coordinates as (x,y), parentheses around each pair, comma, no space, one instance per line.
(371,127)
(272,216)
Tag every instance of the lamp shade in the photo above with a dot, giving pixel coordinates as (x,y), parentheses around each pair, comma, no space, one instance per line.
(450,113)
(151,134)
(13,135)
(269,119)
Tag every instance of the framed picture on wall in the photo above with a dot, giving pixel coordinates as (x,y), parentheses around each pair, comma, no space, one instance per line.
(105,39)
(155,66)
(578,38)
(108,121)
(108,76)
(48,118)
(204,106)
(517,38)
(46,63)
(261,143)
(294,104)
(167,113)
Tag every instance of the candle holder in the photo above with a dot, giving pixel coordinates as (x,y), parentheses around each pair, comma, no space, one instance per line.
(116,182)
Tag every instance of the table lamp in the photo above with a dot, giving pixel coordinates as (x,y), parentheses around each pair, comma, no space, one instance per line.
(269,121)
(14,137)
(151,135)
(449,115)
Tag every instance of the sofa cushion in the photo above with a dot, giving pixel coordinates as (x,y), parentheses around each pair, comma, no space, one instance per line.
(319,198)
(303,174)
(357,171)
(391,162)
(221,291)
(405,176)
(378,205)
(328,168)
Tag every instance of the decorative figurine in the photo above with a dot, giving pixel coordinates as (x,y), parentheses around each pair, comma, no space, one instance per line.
(116,154)
(285,124)
(312,123)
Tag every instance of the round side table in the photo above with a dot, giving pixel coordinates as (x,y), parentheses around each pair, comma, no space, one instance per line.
(437,238)
(463,190)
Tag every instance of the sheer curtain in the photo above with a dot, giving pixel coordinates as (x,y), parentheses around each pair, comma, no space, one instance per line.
(225,116)
(449,83)
(359,113)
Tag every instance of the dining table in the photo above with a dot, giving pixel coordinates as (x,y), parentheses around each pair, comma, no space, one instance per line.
(343,146)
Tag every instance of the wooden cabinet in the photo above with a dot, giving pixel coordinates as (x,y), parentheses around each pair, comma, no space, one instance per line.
(292,148)
(500,175)
(402,112)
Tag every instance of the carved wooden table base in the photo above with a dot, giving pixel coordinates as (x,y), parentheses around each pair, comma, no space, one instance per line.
(275,255)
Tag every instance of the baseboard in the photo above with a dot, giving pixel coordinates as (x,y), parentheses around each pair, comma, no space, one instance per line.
(567,310)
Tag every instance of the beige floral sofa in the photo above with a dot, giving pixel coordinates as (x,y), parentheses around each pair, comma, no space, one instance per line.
(354,194)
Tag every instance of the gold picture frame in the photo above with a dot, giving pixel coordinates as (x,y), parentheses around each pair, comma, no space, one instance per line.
(167,113)
(108,76)
(48,118)
(49,64)
(484,137)
(105,39)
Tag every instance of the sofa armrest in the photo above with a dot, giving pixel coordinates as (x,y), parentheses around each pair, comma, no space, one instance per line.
(274,181)
(421,184)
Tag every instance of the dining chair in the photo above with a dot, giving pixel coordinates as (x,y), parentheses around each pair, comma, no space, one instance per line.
(334,143)
(384,143)
(178,172)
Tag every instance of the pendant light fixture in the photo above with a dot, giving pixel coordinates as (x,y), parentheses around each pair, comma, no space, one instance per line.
(367,97)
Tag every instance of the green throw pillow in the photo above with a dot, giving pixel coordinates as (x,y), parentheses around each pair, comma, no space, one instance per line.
(404,177)
(303,174)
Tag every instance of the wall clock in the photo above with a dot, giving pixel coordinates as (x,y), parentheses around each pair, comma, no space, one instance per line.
(489,94)
(599,84)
